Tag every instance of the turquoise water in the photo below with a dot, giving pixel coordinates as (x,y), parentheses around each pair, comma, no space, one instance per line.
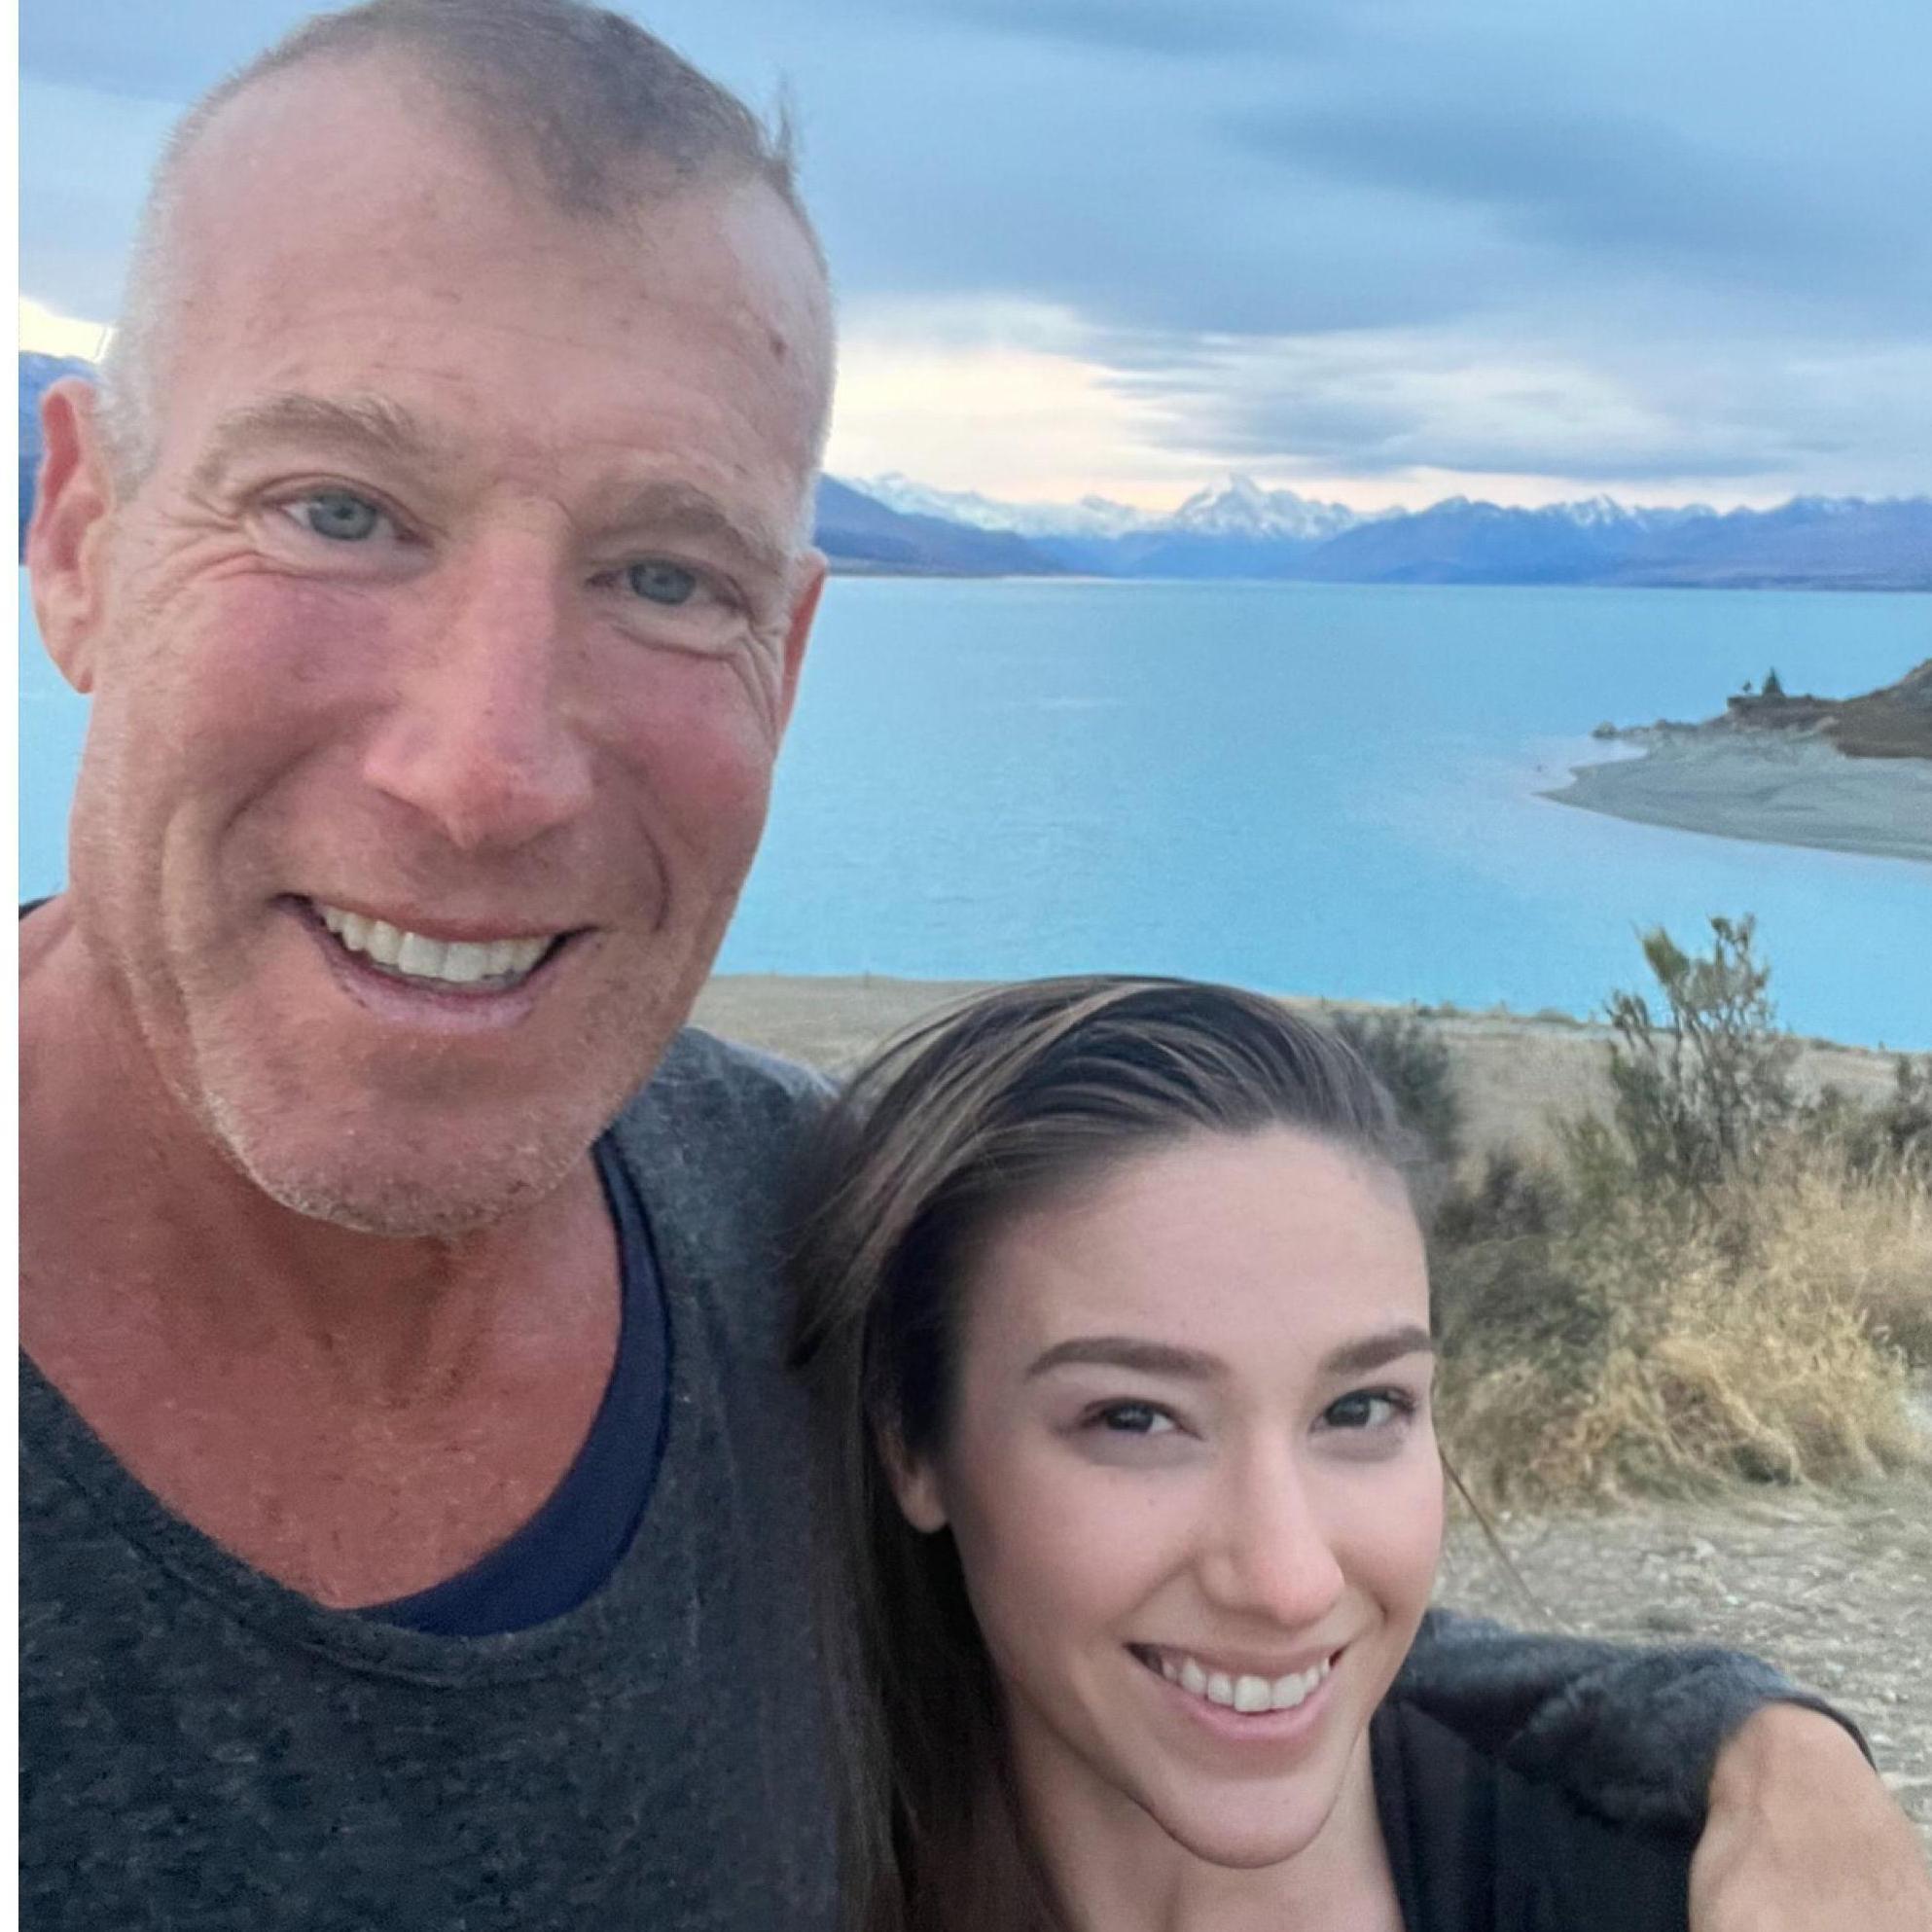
(1307,788)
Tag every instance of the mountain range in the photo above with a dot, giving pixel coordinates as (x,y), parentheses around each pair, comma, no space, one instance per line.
(1244,530)
(892,524)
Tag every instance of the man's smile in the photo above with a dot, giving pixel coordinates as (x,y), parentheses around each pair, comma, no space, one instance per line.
(489,965)
(477,972)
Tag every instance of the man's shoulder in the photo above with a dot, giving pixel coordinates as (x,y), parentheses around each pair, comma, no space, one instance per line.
(1475,1841)
(703,1079)
(710,1142)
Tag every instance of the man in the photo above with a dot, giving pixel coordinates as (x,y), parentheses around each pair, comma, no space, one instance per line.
(415,1531)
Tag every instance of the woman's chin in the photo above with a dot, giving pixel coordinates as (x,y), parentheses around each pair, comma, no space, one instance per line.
(1267,1827)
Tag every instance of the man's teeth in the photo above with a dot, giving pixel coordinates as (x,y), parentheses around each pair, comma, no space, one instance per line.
(1244,1693)
(453,963)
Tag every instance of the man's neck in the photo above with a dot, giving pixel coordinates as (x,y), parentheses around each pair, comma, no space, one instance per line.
(407,1403)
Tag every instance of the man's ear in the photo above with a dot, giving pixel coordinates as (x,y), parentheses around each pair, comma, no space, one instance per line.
(810,585)
(915,1485)
(67,539)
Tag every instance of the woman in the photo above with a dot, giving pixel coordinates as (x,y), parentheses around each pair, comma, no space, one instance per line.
(1116,1300)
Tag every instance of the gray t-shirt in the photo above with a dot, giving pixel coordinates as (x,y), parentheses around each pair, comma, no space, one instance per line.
(203,1748)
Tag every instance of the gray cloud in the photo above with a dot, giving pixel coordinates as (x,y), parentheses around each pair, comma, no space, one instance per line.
(1612,185)
(1691,229)
(1682,412)
(1157,26)
(143,52)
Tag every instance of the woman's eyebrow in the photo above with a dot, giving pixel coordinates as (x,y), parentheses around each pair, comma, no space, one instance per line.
(1127,1351)
(1192,1365)
(1374,1352)
(1166,1358)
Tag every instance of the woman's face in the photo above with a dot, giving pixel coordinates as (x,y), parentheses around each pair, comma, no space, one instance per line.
(1194,1484)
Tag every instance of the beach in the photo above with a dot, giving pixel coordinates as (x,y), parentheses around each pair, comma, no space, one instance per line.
(1770,787)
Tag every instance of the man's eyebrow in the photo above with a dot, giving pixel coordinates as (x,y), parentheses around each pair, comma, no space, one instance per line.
(363,423)
(1374,1352)
(1128,1351)
(673,508)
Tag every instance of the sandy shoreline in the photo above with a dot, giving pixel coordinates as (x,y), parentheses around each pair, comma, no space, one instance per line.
(1768,787)
(1513,1072)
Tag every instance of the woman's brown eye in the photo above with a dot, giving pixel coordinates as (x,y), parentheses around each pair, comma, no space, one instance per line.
(1366,1409)
(1133,1418)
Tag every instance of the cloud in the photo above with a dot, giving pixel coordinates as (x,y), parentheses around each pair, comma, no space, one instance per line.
(1685,413)
(1155,27)
(159,54)
(1608,187)
(1597,241)
(47,332)
(85,159)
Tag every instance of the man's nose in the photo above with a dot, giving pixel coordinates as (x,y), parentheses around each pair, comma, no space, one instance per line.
(486,736)
(1270,1551)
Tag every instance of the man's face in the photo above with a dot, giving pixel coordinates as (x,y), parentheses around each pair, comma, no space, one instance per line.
(442,655)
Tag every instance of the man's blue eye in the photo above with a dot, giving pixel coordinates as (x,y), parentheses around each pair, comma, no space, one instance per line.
(339,515)
(667,584)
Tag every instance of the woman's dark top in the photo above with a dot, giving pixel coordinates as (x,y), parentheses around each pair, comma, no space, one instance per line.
(1476,1847)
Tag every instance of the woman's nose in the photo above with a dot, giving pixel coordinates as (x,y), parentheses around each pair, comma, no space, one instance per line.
(1271,1551)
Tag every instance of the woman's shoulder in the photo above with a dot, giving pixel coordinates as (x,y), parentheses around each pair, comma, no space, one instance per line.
(1479,1847)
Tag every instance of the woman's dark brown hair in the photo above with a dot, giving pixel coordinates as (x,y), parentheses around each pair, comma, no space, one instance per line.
(1009,1100)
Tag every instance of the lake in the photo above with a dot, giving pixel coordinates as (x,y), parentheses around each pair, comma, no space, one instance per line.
(1315,789)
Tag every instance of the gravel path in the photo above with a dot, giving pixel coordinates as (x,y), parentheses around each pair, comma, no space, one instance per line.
(1834,1588)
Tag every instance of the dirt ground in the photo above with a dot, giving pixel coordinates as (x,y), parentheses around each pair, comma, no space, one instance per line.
(1835,1588)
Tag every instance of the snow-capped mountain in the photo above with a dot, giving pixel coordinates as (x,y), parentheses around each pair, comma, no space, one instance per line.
(1605,513)
(1243,508)
(1091,517)
(1244,530)
(1239,508)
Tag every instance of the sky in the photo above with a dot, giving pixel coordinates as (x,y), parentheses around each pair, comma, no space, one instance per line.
(1375,251)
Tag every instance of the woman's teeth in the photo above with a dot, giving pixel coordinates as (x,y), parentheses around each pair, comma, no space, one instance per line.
(454,963)
(1245,1693)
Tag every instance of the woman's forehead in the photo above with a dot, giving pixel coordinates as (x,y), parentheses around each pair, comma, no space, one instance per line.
(1223,1243)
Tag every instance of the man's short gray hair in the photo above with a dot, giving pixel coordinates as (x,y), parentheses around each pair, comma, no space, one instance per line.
(581,93)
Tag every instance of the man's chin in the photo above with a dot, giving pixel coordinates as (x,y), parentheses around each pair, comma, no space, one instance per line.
(382,1186)
(395,1209)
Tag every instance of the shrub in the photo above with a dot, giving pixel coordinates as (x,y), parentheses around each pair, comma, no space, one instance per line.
(1895,1133)
(1411,1060)
(1636,1352)
(1696,1092)
(1713,1282)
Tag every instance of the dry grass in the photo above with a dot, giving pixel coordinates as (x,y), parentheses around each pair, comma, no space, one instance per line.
(1665,1345)
(1876,1238)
